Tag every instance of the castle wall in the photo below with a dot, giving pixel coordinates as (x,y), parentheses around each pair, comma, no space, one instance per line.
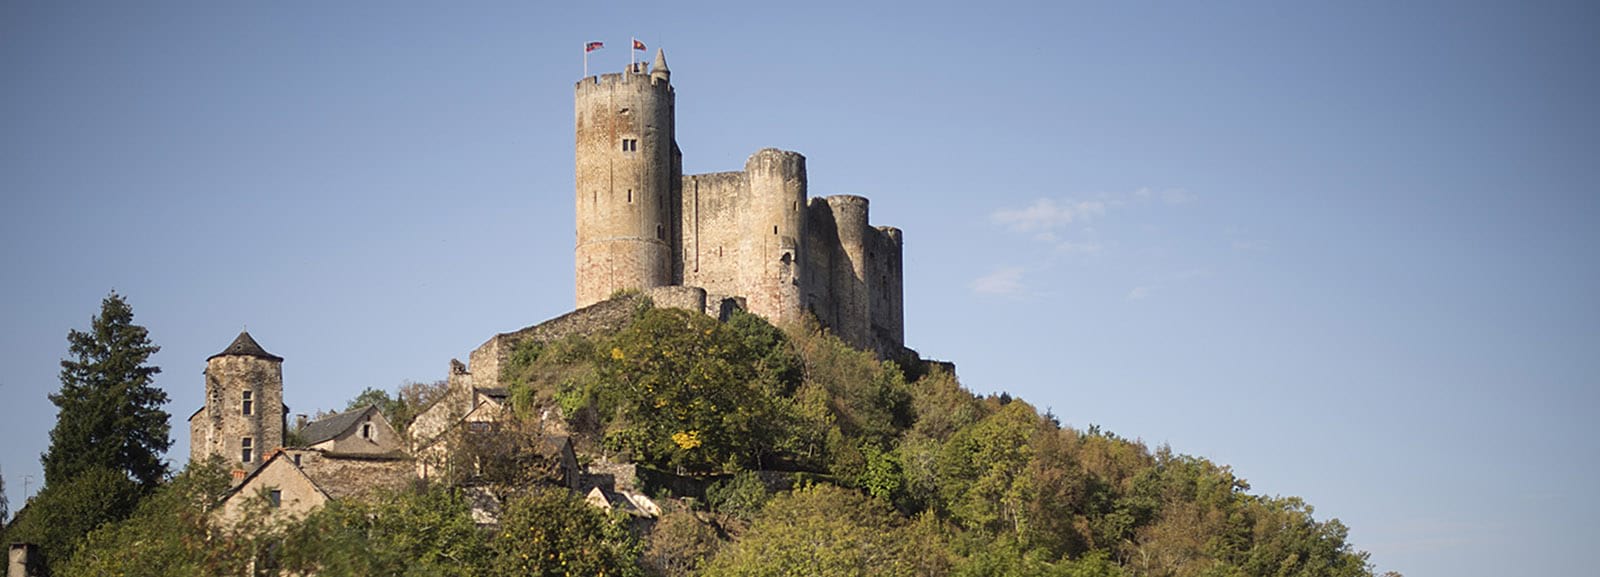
(711,231)
(773,227)
(625,183)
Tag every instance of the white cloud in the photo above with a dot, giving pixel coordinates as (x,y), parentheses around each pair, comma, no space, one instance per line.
(1047,213)
(1003,282)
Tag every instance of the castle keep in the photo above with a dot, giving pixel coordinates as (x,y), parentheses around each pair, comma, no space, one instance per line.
(752,236)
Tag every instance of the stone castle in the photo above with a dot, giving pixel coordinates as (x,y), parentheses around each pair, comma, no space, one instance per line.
(753,235)
(751,239)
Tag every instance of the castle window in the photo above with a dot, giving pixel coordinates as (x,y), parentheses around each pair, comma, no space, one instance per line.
(245,449)
(275,497)
(630,196)
(366,430)
(661,233)
(630,145)
(774,229)
(249,403)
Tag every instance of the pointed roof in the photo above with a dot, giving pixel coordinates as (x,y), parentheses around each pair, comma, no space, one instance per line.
(246,346)
(661,61)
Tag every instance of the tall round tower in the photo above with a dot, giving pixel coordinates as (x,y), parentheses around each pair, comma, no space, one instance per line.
(243,419)
(626,181)
(774,228)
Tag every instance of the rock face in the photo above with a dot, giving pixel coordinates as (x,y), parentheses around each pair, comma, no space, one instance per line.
(754,235)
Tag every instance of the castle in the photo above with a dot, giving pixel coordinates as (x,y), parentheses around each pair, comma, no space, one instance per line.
(753,235)
(751,239)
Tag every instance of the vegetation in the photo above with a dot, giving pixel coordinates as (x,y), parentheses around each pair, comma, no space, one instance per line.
(110,409)
(813,459)
(106,448)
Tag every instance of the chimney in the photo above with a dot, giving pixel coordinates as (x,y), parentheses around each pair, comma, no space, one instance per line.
(299,422)
(238,475)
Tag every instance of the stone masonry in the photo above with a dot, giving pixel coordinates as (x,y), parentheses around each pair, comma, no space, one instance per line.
(754,235)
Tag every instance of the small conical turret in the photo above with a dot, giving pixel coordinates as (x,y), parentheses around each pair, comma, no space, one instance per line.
(659,71)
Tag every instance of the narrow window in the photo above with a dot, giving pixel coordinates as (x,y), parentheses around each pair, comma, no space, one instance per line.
(297,459)
(249,403)
(245,453)
(366,430)
(275,497)
(774,229)
(661,233)
(630,196)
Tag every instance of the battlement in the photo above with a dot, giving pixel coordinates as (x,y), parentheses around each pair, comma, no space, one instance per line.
(637,74)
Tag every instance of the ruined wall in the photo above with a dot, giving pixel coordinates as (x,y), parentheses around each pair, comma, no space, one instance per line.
(220,428)
(626,185)
(886,287)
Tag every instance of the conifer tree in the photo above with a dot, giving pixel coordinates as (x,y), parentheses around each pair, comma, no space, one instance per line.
(110,409)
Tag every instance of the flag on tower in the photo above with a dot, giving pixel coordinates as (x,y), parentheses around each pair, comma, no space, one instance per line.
(637,45)
(593,46)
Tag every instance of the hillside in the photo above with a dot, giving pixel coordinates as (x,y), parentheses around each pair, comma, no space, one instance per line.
(773,452)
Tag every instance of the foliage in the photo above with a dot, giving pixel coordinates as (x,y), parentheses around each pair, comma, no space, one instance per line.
(171,533)
(63,513)
(740,496)
(821,531)
(680,544)
(427,531)
(110,409)
(550,532)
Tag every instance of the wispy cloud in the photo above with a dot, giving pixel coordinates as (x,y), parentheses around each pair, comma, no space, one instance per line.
(1047,214)
(1002,282)
(1140,293)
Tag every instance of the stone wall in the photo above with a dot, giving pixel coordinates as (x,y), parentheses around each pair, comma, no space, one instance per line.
(343,476)
(219,428)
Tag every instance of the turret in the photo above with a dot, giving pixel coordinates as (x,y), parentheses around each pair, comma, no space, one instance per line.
(659,71)
(244,417)
(627,182)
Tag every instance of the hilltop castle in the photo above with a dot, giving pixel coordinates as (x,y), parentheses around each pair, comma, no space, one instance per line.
(753,236)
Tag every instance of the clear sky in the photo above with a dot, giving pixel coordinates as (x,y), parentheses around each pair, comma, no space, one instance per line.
(1344,247)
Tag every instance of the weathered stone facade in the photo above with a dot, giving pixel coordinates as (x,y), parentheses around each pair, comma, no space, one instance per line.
(244,406)
(753,235)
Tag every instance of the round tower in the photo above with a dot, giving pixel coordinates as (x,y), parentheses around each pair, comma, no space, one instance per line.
(626,181)
(243,419)
(850,269)
(773,228)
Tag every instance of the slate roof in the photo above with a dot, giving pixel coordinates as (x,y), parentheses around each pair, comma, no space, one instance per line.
(246,346)
(329,427)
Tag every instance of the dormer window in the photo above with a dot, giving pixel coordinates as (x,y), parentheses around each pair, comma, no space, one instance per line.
(366,430)
(249,403)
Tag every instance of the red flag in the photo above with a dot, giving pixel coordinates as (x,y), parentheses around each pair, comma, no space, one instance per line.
(593,46)
(637,45)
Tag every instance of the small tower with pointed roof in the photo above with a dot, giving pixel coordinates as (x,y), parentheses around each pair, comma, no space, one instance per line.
(243,419)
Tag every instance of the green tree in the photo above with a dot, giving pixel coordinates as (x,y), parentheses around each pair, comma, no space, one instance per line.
(428,531)
(549,532)
(822,531)
(58,518)
(110,409)
(171,533)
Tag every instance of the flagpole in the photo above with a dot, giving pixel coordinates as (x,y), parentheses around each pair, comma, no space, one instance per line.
(586,60)
(632,42)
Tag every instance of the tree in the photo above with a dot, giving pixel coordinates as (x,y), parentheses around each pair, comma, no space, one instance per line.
(58,518)
(549,532)
(110,410)
(5,506)
(824,531)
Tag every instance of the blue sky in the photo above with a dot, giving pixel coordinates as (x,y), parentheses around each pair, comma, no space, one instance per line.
(1343,247)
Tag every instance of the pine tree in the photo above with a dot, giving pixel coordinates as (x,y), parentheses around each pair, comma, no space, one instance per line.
(110,410)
